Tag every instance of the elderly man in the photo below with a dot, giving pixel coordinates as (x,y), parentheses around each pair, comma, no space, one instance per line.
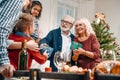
(60,40)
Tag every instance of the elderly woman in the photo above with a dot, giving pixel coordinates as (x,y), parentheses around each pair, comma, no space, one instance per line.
(89,54)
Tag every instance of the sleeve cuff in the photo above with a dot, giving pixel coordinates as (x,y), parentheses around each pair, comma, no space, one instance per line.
(9,42)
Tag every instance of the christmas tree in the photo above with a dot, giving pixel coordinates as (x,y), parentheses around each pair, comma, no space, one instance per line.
(108,44)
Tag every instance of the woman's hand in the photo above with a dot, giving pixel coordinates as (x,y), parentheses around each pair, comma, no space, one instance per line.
(76,52)
(79,51)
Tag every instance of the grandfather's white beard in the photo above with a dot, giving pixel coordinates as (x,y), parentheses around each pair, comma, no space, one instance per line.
(65,29)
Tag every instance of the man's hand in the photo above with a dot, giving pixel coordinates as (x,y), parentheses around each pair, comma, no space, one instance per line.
(32,45)
(7,70)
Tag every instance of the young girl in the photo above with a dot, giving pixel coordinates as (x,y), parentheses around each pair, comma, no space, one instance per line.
(23,29)
(35,11)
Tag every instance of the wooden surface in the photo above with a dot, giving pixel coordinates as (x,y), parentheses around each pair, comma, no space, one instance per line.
(63,75)
(99,76)
(51,75)
(24,73)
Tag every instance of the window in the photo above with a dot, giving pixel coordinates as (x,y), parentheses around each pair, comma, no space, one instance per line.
(65,8)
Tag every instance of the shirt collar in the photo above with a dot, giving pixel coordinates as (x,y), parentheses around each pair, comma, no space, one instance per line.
(21,34)
(62,33)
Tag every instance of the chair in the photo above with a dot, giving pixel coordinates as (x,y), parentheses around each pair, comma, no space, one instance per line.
(62,75)
(99,76)
(25,73)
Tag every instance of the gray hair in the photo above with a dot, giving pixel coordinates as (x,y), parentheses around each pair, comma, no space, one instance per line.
(89,29)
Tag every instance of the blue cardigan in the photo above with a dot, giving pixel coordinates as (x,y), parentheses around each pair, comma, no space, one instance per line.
(54,40)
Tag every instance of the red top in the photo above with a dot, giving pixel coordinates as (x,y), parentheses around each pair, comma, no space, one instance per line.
(92,45)
(14,53)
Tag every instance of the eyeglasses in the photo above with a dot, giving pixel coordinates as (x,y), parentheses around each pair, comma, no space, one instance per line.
(66,22)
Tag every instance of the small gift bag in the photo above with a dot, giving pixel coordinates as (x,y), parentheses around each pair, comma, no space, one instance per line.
(45,47)
(75,46)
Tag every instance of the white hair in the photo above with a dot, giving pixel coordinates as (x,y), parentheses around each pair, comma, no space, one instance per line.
(89,29)
(68,18)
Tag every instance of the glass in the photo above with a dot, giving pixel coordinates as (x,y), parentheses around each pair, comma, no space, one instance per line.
(108,66)
(108,55)
(66,22)
(58,61)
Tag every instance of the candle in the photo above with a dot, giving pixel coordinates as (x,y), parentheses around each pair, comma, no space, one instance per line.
(48,69)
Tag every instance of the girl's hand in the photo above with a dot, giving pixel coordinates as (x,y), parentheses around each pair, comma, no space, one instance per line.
(45,53)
